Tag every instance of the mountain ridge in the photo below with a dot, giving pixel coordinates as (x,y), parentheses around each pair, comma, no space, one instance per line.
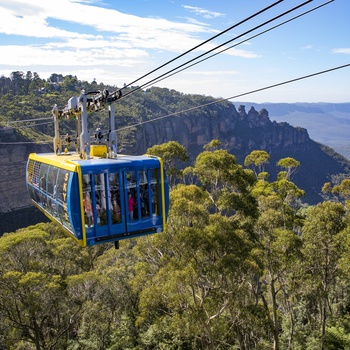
(327,123)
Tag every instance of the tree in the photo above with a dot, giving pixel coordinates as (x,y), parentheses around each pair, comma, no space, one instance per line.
(290,164)
(323,238)
(257,160)
(172,154)
(17,81)
(192,285)
(226,182)
(279,249)
(212,145)
(34,304)
(30,295)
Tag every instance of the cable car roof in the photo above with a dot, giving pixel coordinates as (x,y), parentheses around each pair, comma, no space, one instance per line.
(71,161)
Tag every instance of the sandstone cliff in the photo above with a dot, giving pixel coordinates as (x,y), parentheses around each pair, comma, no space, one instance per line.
(241,132)
(13,160)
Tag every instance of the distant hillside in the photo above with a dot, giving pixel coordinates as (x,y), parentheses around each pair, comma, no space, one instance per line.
(327,123)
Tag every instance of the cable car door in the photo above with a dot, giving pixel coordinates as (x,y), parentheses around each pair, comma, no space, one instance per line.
(104,218)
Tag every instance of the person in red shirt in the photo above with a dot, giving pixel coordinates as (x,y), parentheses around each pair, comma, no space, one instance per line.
(131,204)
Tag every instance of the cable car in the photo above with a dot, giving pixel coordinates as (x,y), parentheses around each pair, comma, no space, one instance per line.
(96,195)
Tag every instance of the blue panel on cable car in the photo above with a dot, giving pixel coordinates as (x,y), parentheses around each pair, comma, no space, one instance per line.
(100,200)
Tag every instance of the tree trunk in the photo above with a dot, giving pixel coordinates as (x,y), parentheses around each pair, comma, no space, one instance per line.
(275,317)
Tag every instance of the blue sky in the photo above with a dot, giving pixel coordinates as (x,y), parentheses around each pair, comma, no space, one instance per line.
(116,42)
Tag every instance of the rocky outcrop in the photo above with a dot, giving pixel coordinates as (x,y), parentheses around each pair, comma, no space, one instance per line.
(240,132)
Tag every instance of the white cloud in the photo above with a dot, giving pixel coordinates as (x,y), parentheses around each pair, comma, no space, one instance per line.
(345,50)
(106,44)
(202,12)
(118,38)
(307,47)
(46,56)
(101,19)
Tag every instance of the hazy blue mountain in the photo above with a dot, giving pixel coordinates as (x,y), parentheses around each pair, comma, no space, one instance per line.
(327,123)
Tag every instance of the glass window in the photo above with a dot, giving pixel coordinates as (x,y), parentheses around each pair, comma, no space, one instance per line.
(44,169)
(114,189)
(100,199)
(155,192)
(143,176)
(132,195)
(145,202)
(33,180)
(61,196)
(35,176)
(87,202)
(34,194)
(52,190)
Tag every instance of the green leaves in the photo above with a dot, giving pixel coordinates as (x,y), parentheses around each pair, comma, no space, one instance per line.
(172,154)
(242,264)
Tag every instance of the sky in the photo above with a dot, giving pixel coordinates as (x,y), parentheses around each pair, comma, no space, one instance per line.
(117,42)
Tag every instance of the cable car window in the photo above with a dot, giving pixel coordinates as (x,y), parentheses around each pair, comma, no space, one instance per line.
(114,188)
(52,190)
(144,196)
(44,168)
(33,179)
(132,195)
(88,215)
(145,202)
(155,191)
(36,173)
(61,197)
(143,177)
(100,199)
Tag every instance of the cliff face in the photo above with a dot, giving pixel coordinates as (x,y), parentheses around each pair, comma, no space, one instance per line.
(13,160)
(240,132)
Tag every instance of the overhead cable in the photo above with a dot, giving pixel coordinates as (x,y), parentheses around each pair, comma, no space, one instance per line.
(204,42)
(236,96)
(25,142)
(239,43)
(31,126)
(28,120)
(217,47)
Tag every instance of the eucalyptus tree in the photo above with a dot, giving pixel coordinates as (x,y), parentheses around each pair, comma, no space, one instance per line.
(172,154)
(193,285)
(323,238)
(31,297)
(278,244)
(35,308)
(290,165)
(226,182)
(257,160)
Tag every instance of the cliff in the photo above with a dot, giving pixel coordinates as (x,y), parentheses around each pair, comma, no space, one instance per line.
(13,160)
(16,210)
(241,132)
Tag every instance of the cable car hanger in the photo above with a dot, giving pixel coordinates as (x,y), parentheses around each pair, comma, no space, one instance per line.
(78,107)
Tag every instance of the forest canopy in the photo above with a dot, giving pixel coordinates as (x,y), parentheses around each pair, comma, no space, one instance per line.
(243,264)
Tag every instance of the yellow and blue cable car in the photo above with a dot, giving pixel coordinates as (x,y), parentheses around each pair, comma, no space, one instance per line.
(96,198)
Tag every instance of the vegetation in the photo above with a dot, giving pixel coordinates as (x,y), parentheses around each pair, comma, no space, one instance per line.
(242,265)
(25,97)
